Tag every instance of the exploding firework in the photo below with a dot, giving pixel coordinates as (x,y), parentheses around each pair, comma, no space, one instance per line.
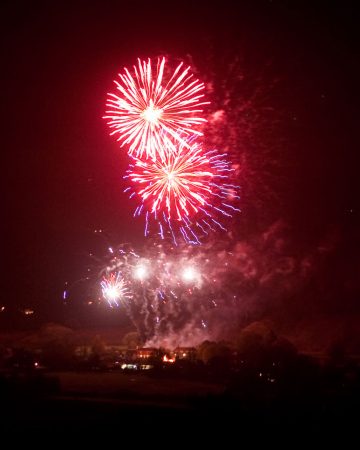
(114,288)
(127,271)
(158,288)
(184,193)
(185,294)
(159,283)
(151,112)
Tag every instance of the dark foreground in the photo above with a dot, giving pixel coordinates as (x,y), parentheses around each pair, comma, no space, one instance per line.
(146,407)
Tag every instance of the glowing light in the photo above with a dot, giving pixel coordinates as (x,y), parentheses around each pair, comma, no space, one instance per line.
(114,288)
(190,274)
(152,114)
(112,292)
(141,272)
(184,190)
(153,109)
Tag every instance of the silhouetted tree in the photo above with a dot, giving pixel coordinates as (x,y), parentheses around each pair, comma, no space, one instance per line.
(58,345)
(336,352)
(132,339)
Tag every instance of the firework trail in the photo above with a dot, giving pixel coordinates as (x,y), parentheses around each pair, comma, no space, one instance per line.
(152,110)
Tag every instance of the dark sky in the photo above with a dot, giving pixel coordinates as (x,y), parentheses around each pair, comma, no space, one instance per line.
(62,173)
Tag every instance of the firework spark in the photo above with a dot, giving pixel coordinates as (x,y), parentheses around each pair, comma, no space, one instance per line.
(114,288)
(151,112)
(187,190)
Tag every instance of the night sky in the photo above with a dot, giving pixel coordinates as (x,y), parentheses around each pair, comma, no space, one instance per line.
(62,173)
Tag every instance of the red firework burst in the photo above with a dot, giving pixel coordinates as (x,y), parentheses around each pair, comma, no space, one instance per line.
(178,184)
(151,112)
(186,188)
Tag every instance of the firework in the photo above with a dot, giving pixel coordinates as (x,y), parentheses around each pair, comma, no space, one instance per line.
(127,271)
(141,272)
(190,274)
(187,190)
(114,288)
(162,288)
(151,112)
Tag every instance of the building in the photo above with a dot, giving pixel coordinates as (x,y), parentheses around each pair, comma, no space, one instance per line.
(146,353)
(188,353)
